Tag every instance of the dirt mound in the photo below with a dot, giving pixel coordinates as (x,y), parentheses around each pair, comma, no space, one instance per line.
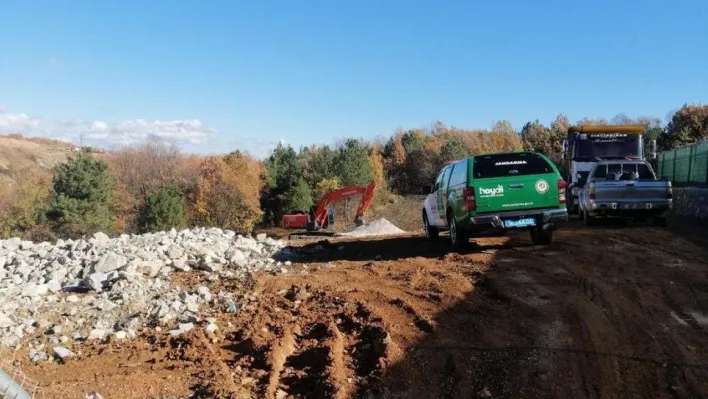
(379,227)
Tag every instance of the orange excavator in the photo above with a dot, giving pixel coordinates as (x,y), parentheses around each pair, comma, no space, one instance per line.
(321,216)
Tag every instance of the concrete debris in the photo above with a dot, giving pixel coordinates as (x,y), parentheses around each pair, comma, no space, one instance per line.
(62,353)
(103,287)
(94,395)
(211,328)
(379,227)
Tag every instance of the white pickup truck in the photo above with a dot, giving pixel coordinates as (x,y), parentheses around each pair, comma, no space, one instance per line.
(625,189)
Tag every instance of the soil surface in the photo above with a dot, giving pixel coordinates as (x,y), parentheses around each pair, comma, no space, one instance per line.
(603,312)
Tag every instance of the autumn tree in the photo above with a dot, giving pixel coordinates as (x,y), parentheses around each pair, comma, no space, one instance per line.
(376,164)
(142,170)
(23,204)
(413,140)
(688,125)
(325,186)
(453,149)
(559,132)
(317,164)
(591,121)
(536,137)
(227,192)
(151,166)
(503,126)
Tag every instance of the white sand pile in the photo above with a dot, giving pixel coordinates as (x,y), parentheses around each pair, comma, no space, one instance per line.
(379,227)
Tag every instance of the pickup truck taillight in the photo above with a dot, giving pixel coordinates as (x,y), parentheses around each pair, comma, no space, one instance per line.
(669,193)
(591,192)
(470,202)
(562,188)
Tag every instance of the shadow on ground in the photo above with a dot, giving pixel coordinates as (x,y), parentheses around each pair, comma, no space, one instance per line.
(602,312)
(390,248)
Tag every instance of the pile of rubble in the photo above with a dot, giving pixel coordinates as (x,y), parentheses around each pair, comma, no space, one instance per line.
(91,289)
(379,227)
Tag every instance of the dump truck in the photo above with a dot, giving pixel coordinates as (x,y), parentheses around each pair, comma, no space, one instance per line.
(586,145)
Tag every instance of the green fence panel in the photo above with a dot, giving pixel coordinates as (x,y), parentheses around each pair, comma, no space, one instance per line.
(683,163)
(687,166)
(699,165)
(666,165)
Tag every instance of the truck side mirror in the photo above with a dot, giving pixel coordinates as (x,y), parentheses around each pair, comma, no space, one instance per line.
(565,148)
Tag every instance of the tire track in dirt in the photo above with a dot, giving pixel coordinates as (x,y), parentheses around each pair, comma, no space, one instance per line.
(337,369)
(329,348)
(276,361)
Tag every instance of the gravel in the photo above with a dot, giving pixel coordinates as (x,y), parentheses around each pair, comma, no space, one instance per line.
(379,227)
(100,287)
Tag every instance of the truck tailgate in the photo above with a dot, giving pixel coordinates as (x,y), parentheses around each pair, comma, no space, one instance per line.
(630,190)
(512,193)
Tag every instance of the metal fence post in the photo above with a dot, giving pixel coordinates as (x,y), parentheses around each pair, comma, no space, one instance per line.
(690,164)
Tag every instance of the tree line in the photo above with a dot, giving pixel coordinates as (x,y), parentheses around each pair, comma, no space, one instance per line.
(156,187)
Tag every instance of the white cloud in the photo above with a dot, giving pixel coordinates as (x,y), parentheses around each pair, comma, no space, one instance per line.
(99,126)
(259,148)
(190,131)
(17,123)
(104,134)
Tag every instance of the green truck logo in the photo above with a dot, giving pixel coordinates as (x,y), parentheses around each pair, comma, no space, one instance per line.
(497,191)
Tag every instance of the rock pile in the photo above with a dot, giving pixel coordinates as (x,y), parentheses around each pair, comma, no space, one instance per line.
(379,227)
(90,289)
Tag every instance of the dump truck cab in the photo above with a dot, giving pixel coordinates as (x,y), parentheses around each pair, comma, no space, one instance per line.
(586,145)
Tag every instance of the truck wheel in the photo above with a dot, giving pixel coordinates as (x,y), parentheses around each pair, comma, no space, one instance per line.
(431,232)
(659,221)
(541,237)
(587,218)
(458,237)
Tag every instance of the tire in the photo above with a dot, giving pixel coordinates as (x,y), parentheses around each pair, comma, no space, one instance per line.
(540,237)
(431,232)
(458,237)
(588,219)
(659,221)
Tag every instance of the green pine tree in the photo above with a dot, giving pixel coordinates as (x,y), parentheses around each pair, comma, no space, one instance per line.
(352,163)
(163,210)
(300,197)
(83,193)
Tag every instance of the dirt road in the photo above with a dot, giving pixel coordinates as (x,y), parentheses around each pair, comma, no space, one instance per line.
(606,312)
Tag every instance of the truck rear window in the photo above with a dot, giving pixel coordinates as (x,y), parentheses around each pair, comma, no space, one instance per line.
(625,171)
(487,166)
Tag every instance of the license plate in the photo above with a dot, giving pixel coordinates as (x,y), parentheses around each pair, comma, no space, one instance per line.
(525,222)
(629,206)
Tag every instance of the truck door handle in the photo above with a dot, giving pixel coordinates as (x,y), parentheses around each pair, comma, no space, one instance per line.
(516,185)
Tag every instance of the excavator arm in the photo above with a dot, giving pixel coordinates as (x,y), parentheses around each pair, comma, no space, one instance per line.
(320,215)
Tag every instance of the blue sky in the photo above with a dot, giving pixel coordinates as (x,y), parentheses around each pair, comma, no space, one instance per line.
(220,75)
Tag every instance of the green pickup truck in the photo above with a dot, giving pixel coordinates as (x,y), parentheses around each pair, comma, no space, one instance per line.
(494,193)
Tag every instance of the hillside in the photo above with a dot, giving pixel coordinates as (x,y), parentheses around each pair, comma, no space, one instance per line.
(18,153)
